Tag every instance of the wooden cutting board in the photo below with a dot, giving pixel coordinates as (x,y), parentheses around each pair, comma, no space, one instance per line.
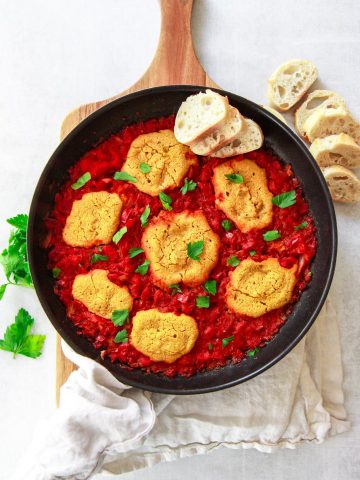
(175,62)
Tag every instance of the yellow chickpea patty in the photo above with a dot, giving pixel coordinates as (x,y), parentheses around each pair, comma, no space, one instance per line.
(163,337)
(93,219)
(247,204)
(258,287)
(99,294)
(166,242)
(167,159)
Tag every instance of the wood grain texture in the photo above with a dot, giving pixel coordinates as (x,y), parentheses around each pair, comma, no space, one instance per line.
(175,62)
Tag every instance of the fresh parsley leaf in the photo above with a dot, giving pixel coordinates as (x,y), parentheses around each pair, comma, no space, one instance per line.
(301,226)
(234,177)
(56,272)
(2,290)
(121,337)
(145,167)
(81,181)
(195,249)
(226,225)
(20,221)
(143,268)
(17,339)
(98,258)
(210,346)
(252,253)
(133,252)
(175,287)
(189,186)
(125,177)
(227,340)
(252,353)
(144,216)
(233,261)
(203,302)
(165,201)
(119,234)
(285,199)
(119,317)
(271,235)
(210,286)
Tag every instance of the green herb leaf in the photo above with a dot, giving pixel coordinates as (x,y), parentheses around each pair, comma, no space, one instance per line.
(81,181)
(125,177)
(227,340)
(285,199)
(145,167)
(119,317)
(143,268)
(175,287)
(165,200)
(226,225)
(56,272)
(98,258)
(189,186)
(121,337)
(144,216)
(301,226)
(210,286)
(203,302)
(195,249)
(252,353)
(271,235)
(17,339)
(210,346)
(234,177)
(2,289)
(119,234)
(133,252)
(20,221)
(233,261)
(252,253)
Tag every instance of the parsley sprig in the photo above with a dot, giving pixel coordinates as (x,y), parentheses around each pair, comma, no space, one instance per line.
(285,199)
(165,201)
(189,186)
(195,249)
(234,177)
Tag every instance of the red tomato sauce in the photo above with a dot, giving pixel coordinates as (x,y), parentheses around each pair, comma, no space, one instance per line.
(214,323)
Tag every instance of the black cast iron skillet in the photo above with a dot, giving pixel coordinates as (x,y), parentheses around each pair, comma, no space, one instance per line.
(163,101)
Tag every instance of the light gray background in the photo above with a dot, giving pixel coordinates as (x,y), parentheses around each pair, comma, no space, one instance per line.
(56,55)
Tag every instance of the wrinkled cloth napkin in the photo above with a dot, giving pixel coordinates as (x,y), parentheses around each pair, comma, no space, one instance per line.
(103,425)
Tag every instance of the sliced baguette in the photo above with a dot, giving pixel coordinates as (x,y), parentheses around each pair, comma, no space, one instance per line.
(199,115)
(290,82)
(343,184)
(316,100)
(338,149)
(331,122)
(275,113)
(229,130)
(249,139)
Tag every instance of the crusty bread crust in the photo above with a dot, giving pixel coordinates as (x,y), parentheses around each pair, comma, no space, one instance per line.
(250,138)
(340,149)
(321,124)
(343,184)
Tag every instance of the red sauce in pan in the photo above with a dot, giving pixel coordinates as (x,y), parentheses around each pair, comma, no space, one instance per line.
(216,322)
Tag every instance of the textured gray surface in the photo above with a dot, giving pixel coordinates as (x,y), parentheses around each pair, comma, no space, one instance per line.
(56,55)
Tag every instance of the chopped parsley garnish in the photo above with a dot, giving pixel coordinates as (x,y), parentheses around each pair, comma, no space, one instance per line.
(98,258)
(252,253)
(125,177)
(234,177)
(285,199)
(227,340)
(144,216)
(210,286)
(119,317)
(271,235)
(121,337)
(189,186)
(145,167)
(195,249)
(210,346)
(252,353)
(143,268)
(81,181)
(133,252)
(226,225)
(301,226)
(203,302)
(175,287)
(233,261)
(17,339)
(165,201)
(56,272)
(119,234)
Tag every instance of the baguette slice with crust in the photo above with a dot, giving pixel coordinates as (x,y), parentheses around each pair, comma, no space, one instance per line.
(343,184)
(316,100)
(275,113)
(338,149)
(199,115)
(250,138)
(331,122)
(229,130)
(290,82)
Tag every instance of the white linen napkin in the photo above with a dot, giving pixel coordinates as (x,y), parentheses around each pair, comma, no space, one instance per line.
(102,424)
